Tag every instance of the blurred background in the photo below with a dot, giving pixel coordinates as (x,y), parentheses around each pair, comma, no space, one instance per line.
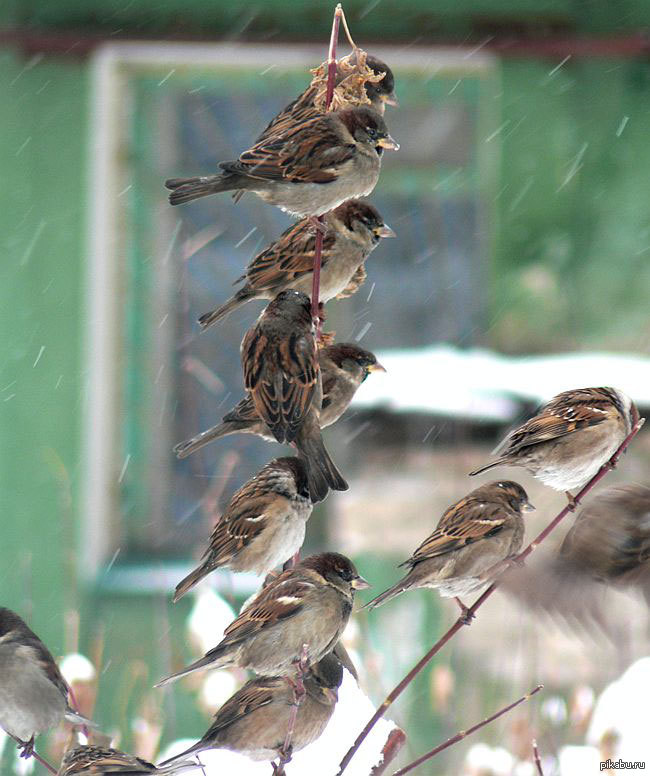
(520,202)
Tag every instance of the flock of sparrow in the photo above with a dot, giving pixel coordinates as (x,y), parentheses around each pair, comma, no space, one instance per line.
(312,162)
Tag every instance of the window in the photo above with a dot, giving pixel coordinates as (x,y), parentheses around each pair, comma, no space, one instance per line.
(154,379)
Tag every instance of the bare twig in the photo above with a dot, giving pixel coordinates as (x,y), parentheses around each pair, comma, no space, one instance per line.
(394,743)
(537,758)
(35,755)
(318,247)
(299,692)
(460,622)
(464,733)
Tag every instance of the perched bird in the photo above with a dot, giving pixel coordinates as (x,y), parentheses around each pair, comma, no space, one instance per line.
(379,94)
(470,546)
(283,379)
(33,693)
(307,170)
(255,720)
(309,604)
(262,526)
(100,761)
(344,367)
(610,538)
(353,230)
(280,363)
(570,438)
(608,546)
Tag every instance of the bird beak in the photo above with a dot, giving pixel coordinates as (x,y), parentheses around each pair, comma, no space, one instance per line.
(388,143)
(384,231)
(359,583)
(528,507)
(390,99)
(376,367)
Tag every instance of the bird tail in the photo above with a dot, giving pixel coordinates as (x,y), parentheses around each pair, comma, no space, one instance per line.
(189,446)
(211,659)
(190,580)
(240,298)
(487,466)
(75,718)
(322,473)
(187,189)
(392,592)
(174,764)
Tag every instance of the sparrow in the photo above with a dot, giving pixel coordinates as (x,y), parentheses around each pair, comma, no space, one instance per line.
(283,379)
(610,538)
(262,526)
(470,546)
(33,692)
(570,438)
(307,170)
(353,230)
(608,545)
(255,720)
(300,614)
(377,93)
(100,761)
(344,367)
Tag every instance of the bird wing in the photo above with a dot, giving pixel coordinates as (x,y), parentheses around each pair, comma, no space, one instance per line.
(308,152)
(95,761)
(281,380)
(243,411)
(288,258)
(281,599)
(465,522)
(244,520)
(251,697)
(561,416)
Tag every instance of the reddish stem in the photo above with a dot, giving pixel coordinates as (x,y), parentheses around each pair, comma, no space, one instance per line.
(460,622)
(36,756)
(464,733)
(537,758)
(394,743)
(318,247)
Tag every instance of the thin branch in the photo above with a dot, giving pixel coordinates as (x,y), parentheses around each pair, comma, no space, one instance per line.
(537,758)
(394,743)
(318,247)
(35,755)
(460,622)
(464,733)
(299,693)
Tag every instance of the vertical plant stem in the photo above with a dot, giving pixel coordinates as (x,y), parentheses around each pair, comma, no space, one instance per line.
(298,697)
(318,248)
(537,758)
(464,733)
(458,625)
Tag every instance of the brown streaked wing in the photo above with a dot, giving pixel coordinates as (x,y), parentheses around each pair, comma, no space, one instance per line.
(290,257)
(464,523)
(306,153)
(281,599)
(559,417)
(246,701)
